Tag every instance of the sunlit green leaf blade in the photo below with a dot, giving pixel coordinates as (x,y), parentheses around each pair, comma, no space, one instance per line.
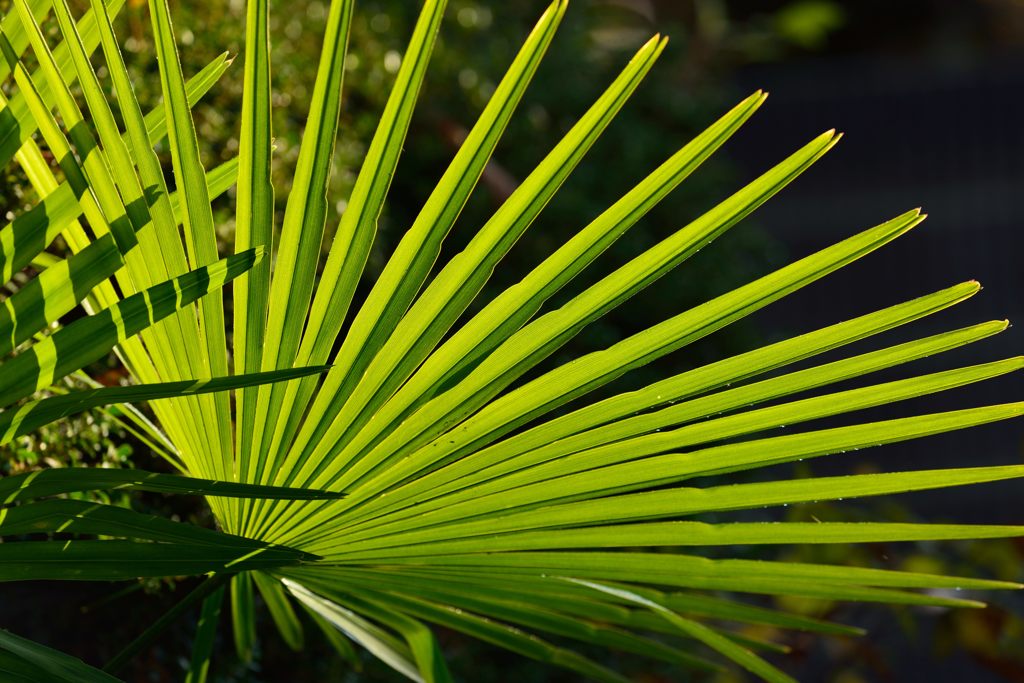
(90,338)
(501,468)
(17,123)
(55,291)
(695,534)
(677,502)
(199,231)
(454,288)
(410,264)
(589,425)
(573,379)
(288,624)
(254,214)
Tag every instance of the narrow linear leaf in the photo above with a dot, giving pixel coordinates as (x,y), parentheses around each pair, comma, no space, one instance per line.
(280,608)
(52,482)
(37,662)
(243,617)
(693,629)
(123,560)
(206,634)
(88,339)
(30,416)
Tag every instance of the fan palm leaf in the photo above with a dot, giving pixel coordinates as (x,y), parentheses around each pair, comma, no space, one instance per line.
(482,491)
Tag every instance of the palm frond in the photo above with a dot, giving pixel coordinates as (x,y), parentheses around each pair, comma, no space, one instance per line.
(475,484)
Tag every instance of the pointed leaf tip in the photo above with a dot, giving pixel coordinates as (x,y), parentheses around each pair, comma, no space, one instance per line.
(651,43)
(557,7)
(828,139)
(915,213)
(999,325)
(973,284)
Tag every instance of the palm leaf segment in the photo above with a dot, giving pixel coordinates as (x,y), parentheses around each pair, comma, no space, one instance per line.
(38,351)
(102,248)
(468,505)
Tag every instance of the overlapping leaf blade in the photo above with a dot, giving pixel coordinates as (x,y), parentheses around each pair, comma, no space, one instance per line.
(466,504)
(24,660)
(53,482)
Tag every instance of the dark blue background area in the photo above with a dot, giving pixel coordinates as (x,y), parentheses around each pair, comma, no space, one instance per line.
(930,97)
(919,131)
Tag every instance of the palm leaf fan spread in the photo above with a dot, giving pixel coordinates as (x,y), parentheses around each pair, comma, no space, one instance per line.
(104,246)
(40,347)
(482,491)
